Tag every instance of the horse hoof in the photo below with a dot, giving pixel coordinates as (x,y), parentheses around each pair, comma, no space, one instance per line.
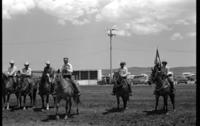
(47,108)
(24,108)
(57,117)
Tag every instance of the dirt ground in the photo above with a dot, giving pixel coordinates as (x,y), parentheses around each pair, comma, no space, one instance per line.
(98,108)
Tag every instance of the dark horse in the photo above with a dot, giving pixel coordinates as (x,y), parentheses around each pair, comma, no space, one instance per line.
(122,89)
(46,87)
(163,88)
(27,88)
(8,88)
(64,90)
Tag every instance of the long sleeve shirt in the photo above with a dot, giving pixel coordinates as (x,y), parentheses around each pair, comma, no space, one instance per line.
(165,70)
(67,68)
(26,72)
(123,72)
(12,71)
(49,70)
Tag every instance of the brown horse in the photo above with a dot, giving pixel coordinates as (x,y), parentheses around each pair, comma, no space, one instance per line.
(46,88)
(162,89)
(26,88)
(64,90)
(122,89)
(9,87)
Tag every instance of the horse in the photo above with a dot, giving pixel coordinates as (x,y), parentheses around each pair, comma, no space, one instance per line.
(64,90)
(9,87)
(122,89)
(162,89)
(26,88)
(46,87)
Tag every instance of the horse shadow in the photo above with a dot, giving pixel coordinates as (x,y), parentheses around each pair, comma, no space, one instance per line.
(41,109)
(113,110)
(61,116)
(155,112)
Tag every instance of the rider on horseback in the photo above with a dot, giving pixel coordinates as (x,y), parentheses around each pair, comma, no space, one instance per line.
(67,71)
(50,71)
(166,74)
(26,72)
(12,71)
(123,72)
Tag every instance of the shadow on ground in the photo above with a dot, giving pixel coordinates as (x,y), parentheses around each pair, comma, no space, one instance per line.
(153,112)
(53,117)
(41,109)
(113,110)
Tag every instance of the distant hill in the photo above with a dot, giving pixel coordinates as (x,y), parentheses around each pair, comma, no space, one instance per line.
(147,70)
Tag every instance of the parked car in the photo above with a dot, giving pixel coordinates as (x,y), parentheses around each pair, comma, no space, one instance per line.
(181,80)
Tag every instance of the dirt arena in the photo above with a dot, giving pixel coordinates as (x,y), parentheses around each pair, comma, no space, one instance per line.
(98,109)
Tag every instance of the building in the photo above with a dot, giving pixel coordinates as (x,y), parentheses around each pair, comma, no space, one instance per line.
(84,77)
(87,77)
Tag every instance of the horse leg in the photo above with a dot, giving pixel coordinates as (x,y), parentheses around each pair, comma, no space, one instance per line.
(125,102)
(166,104)
(3,101)
(34,97)
(42,97)
(54,100)
(57,106)
(47,102)
(66,109)
(172,98)
(118,102)
(77,101)
(18,100)
(31,99)
(157,100)
(7,101)
(24,108)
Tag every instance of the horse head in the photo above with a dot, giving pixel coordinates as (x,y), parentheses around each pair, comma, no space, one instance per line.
(24,83)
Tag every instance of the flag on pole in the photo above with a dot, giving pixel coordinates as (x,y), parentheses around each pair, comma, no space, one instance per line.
(157,58)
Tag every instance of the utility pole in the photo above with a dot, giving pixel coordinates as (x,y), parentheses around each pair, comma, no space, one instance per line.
(110,34)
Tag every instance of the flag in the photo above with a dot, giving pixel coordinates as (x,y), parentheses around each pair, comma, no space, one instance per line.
(157,58)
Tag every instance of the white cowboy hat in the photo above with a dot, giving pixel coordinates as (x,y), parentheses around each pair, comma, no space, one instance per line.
(26,63)
(48,62)
(12,62)
(170,73)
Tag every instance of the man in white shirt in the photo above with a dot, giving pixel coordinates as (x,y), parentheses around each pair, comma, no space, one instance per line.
(166,74)
(123,72)
(12,71)
(27,72)
(67,71)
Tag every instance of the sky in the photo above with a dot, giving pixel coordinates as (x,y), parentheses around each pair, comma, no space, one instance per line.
(41,30)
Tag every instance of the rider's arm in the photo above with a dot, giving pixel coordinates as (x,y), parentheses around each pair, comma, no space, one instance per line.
(29,72)
(9,71)
(70,68)
(22,72)
(13,71)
